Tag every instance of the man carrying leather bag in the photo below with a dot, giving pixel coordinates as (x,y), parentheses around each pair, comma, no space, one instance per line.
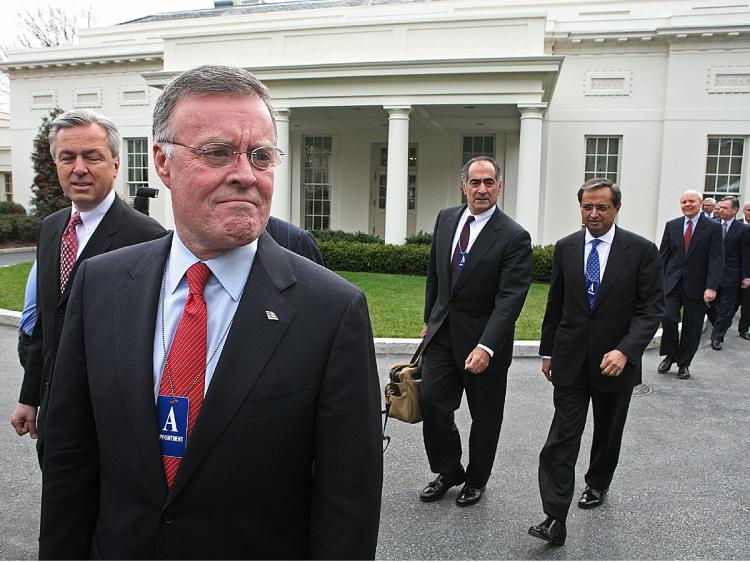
(402,390)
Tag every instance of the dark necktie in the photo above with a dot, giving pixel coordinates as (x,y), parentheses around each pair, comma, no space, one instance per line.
(592,273)
(724,229)
(69,250)
(688,235)
(185,368)
(460,253)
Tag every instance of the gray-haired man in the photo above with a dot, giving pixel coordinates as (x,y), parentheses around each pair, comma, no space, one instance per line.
(86,150)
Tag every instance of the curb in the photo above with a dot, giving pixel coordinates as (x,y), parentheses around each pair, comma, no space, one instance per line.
(383,346)
(15,250)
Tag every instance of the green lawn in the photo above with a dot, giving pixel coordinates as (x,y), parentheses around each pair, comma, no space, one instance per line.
(13,285)
(396,301)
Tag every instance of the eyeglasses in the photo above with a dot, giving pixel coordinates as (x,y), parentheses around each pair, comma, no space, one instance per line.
(588,207)
(220,155)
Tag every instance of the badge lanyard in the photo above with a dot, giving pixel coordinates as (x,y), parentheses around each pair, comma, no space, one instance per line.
(167,370)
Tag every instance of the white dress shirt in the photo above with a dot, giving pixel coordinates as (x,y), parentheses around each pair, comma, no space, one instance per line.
(222,295)
(90,220)
(605,244)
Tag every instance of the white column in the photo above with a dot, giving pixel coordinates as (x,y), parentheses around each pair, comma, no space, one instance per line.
(281,206)
(398,174)
(529,168)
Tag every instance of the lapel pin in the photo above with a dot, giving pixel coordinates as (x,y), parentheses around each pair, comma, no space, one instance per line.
(271,315)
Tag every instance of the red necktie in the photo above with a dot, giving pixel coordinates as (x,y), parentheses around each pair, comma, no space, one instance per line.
(186,363)
(461,248)
(69,249)
(688,235)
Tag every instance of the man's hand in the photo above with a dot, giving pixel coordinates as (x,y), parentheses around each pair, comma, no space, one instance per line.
(23,420)
(547,368)
(709,295)
(423,333)
(613,363)
(477,361)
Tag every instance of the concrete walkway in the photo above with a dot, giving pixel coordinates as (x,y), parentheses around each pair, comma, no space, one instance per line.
(681,491)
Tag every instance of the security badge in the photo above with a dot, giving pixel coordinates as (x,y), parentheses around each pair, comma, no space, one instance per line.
(592,287)
(172,414)
(462,259)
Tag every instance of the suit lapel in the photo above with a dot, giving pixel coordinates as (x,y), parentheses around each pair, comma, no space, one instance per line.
(619,254)
(50,245)
(250,343)
(444,245)
(135,305)
(698,233)
(482,244)
(574,261)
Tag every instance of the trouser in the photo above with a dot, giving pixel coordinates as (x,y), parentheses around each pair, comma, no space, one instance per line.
(726,299)
(681,347)
(23,347)
(557,460)
(444,381)
(743,303)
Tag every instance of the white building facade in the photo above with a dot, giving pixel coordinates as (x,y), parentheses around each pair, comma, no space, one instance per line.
(380,103)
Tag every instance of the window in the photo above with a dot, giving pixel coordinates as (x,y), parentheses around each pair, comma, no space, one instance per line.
(412,180)
(723,166)
(602,158)
(7,187)
(136,151)
(317,183)
(476,146)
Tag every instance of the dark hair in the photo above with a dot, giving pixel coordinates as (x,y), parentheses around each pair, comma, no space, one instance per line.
(733,200)
(206,80)
(602,183)
(465,169)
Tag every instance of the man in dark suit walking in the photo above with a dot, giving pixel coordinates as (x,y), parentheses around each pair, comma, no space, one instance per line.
(234,414)
(725,305)
(606,299)
(692,256)
(85,147)
(479,274)
(743,295)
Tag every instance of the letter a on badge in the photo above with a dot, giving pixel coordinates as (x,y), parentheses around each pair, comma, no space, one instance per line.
(171,423)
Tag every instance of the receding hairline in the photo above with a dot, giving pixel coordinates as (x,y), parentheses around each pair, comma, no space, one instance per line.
(692,192)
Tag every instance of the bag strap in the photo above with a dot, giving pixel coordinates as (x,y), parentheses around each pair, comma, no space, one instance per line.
(418,352)
(387,438)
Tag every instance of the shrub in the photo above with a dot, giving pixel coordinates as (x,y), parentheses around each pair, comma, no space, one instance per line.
(375,258)
(341,236)
(18,228)
(11,208)
(541,264)
(420,238)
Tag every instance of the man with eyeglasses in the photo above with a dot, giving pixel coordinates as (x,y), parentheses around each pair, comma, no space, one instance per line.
(86,149)
(606,299)
(218,395)
(477,279)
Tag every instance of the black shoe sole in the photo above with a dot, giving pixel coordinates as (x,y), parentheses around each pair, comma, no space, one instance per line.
(590,505)
(538,535)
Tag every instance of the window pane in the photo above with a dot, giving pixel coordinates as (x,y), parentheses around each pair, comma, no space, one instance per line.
(725,147)
(737,146)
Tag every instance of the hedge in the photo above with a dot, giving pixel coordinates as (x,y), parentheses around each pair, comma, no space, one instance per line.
(11,208)
(18,228)
(409,259)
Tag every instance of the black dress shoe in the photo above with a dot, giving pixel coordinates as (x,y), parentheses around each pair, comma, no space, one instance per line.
(550,530)
(683,372)
(591,497)
(665,365)
(437,488)
(469,496)
(745,335)
(716,345)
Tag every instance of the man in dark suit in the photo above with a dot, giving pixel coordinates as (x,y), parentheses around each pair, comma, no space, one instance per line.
(85,147)
(743,295)
(294,238)
(235,412)
(725,305)
(606,299)
(478,276)
(708,206)
(692,256)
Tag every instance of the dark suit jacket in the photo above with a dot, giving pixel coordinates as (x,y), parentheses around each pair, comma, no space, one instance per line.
(121,226)
(732,273)
(285,460)
(701,268)
(294,238)
(625,316)
(490,292)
